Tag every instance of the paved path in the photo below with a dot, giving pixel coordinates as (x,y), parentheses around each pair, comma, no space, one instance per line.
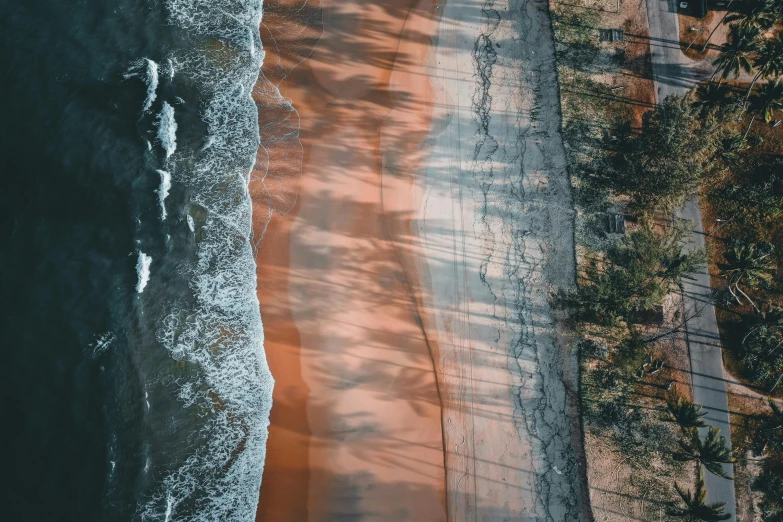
(674,73)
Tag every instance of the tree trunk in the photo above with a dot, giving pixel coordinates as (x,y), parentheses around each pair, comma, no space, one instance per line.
(734,295)
(752,331)
(776,383)
(748,298)
(713,75)
(775,349)
(755,79)
(748,129)
(703,47)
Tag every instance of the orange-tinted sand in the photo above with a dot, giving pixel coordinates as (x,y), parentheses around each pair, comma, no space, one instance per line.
(421,372)
(356,420)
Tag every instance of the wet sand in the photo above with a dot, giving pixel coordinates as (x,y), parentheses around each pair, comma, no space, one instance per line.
(421,374)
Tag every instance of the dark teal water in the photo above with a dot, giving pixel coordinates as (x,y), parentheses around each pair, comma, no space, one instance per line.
(122,404)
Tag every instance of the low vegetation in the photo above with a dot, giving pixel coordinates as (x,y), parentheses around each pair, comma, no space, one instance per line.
(630,281)
(643,165)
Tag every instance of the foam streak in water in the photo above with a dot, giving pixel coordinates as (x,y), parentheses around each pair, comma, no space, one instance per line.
(142,271)
(167,129)
(151,72)
(152,84)
(163,191)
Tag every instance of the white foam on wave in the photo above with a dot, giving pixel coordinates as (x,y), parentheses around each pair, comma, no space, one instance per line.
(172,68)
(169,505)
(219,331)
(150,71)
(207,143)
(152,84)
(167,129)
(142,271)
(102,343)
(163,191)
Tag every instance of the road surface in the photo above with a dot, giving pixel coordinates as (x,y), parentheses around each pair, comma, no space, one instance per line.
(674,74)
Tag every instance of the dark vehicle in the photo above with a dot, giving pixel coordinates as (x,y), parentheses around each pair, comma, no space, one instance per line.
(695,8)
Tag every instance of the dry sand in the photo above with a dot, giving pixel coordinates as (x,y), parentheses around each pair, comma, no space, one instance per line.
(356,428)
(420,373)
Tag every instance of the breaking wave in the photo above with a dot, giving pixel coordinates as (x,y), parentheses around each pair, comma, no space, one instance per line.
(167,129)
(163,191)
(152,84)
(142,271)
(150,69)
(216,331)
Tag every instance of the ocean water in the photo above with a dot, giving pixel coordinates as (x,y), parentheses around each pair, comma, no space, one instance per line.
(136,386)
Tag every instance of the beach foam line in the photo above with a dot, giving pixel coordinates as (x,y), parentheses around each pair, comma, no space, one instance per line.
(217,329)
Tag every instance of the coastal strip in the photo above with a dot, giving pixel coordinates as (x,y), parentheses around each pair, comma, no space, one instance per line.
(421,374)
(356,421)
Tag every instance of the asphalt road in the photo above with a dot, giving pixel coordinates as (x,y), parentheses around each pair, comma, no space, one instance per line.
(674,74)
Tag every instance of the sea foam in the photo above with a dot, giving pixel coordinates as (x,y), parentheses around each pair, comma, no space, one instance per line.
(163,191)
(102,343)
(150,69)
(142,271)
(167,129)
(152,84)
(219,330)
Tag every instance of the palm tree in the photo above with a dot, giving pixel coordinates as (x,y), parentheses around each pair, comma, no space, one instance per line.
(748,263)
(771,320)
(775,7)
(732,146)
(736,53)
(711,453)
(774,423)
(711,95)
(682,411)
(768,62)
(755,14)
(703,47)
(769,431)
(695,509)
(768,100)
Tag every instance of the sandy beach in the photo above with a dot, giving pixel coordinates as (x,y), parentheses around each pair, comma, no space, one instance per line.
(420,373)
